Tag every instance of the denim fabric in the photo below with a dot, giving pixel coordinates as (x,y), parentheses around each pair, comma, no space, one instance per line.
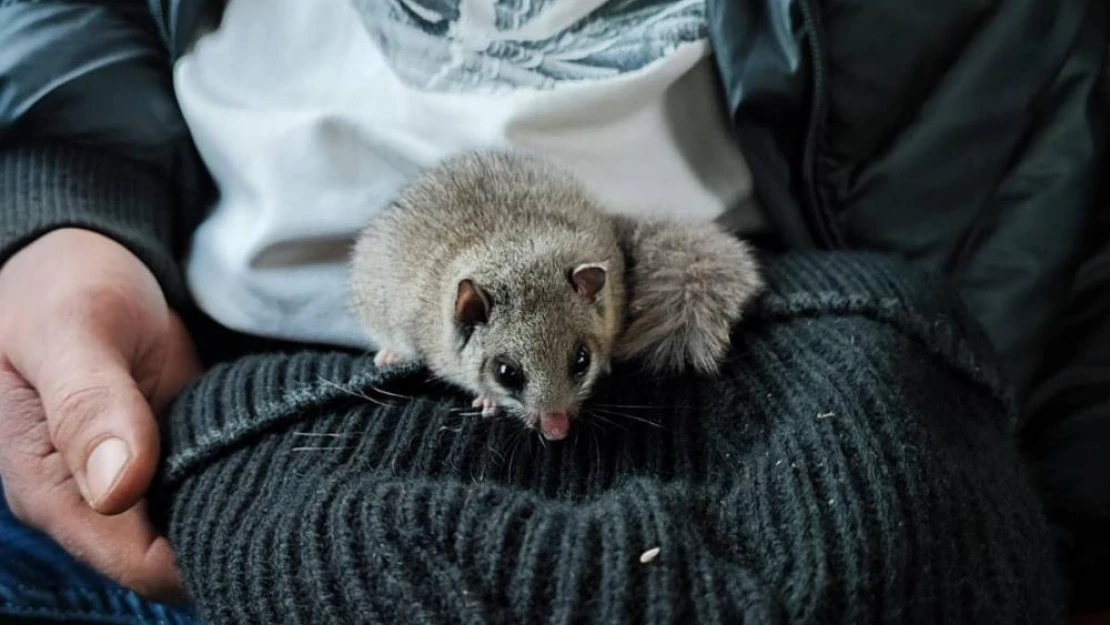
(39,580)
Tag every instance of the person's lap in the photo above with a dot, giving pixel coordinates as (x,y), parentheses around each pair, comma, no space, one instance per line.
(851,464)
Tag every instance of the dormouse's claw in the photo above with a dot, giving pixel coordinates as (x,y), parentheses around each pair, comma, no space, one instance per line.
(488,406)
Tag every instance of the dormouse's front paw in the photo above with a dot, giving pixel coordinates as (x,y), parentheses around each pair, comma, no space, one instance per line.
(488,406)
(388,358)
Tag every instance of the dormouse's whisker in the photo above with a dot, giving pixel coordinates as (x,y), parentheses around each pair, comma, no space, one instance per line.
(614,413)
(595,415)
(638,407)
(388,393)
(354,393)
(597,449)
(518,437)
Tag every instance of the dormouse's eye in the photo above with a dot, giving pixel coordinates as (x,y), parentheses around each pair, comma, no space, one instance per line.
(580,363)
(508,375)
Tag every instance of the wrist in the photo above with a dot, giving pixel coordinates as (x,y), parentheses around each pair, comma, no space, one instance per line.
(48,186)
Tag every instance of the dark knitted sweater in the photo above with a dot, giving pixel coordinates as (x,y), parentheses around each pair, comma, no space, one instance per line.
(853,463)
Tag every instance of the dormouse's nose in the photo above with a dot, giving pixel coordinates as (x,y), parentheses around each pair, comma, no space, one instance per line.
(555,425)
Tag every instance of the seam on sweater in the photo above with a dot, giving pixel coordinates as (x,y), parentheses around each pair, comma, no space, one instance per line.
(286,408)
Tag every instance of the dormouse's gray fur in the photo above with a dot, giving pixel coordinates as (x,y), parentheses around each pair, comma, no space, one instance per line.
(514,247)
(688,283)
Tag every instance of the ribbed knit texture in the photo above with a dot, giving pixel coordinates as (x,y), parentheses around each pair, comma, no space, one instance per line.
(852,464)
(46,185)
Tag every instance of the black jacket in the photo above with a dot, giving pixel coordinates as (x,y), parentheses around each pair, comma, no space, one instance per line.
(964,135)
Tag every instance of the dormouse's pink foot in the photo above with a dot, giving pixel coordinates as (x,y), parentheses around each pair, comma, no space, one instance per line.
(387,358)
(488,406)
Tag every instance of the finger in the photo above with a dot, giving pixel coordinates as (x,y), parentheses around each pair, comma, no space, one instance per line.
(41,493)
(124,547)
(98,418)
(180,366)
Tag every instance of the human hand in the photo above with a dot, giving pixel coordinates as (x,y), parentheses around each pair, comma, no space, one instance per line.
(89,353)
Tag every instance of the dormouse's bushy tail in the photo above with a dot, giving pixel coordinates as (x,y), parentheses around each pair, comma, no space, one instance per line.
(688,285)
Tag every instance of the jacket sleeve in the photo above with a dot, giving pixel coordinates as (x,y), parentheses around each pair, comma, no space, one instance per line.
(1067,434)
(90,132)
(1067,437)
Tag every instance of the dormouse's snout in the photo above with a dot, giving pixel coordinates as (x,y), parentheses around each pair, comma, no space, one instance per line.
(551,400)
(556,398)
(555,425)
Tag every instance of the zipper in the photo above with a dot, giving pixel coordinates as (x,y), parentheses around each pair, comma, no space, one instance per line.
(823,222)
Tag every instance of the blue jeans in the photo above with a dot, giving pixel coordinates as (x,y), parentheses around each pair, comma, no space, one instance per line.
(39,580)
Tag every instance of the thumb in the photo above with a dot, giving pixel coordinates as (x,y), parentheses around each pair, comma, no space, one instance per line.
(99,421)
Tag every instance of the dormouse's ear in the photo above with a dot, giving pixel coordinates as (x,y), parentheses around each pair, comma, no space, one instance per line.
(471,304)
(588,279)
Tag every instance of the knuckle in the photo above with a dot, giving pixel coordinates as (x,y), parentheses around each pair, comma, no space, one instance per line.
(49,507)
(24,436)
(98,306)
(107,299)
(20,409)
(76,409)
(34,506)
